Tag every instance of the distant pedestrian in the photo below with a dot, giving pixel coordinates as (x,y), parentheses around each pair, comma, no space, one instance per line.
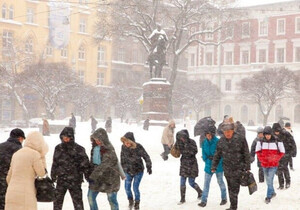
(46,127)
(258,140)
(288,128)
(167,139)
(146,124)
(26,164)
(105,176)
(108,125)
(72,122)
(188,163)
(208,150)
(94,123)
(269,152)
(70,163)
(132,154)
(7,149)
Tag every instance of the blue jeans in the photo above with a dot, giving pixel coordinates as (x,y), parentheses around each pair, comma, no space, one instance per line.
(269,175)
(111,197)
(191,181)
(207,179)
(136,184)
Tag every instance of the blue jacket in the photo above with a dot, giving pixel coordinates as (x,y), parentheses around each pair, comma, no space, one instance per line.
(208,150)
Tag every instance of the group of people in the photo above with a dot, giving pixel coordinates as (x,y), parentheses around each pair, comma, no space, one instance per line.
(20,166)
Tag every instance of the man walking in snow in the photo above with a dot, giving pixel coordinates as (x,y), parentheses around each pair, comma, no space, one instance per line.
(167,139)
(233,148)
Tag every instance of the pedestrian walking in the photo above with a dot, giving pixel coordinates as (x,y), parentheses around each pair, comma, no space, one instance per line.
(234,150)
(167,139)
(188,163)
(46,127)
(7,149)
(72,122)
(146,124)
(70,163)
(94,123)
(108,125)
(269,152)
(26,164)
(288,128)
(132,154)
(208,150)
(105,176)
(256,141)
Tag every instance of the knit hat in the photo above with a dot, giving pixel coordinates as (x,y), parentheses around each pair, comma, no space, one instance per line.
(276,127)
(16,133)
(287,124)
(260,130)
(267,130)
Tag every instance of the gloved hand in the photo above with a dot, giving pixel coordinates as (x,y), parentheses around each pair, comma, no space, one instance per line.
(149,170)
(252,159)
(210,157)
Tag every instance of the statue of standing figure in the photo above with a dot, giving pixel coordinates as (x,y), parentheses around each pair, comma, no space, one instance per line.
(157,56)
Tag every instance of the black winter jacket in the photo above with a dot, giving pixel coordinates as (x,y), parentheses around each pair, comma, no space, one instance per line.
(235,154)
(70,161)
(289,143)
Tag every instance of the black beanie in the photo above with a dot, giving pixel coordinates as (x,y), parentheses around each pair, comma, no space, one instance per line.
(16,133)
(276,127)
(130,136)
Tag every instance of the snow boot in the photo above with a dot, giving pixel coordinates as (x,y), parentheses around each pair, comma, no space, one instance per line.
(137,205)
(130,203)
(182,194)
(199,191)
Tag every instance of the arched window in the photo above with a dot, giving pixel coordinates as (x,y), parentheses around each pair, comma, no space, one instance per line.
(81,53)
(29,46)
(3,11)
(278,112)
(244,114)
(297,114)
(11,12)
(227,110)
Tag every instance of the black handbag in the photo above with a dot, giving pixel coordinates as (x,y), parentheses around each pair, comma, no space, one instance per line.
(45,190)
(247,180)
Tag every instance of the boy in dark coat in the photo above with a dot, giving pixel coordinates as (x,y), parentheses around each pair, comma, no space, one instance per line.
(188,163)
(7,149)
(131,161)
(258,140)
(70,162)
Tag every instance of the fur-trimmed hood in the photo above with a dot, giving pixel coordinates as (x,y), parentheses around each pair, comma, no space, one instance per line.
(35,140)
(129,137)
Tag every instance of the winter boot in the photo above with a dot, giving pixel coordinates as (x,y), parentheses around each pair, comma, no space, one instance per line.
(130,203)
(137,205)
(199,191)
(182,194)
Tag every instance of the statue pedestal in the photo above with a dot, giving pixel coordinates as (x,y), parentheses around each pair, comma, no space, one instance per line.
(156,96)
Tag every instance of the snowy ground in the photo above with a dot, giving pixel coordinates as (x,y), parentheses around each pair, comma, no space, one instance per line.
(160,191)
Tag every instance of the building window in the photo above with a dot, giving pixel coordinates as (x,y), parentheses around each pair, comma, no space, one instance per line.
(7,39)
(297,54)
(29,46)
(11,13)
(209,58)
(81,53)
(228,85)
(263,28)
(192,61)
(229,31)
(245,57)
(209,35)
(280,26)
(82,25)
(297,25)
(121,54)
(280,55)
(81,75)
(64,53)
(262,55)
(101,60)
(49,51)
(30,15)
(246,30)
(3,11)
(100,78)
(228,58)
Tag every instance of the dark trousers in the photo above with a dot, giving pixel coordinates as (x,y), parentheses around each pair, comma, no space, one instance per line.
(291,163)
(75,192)
(233,183)
(166,152)
(283,171)
(3,187)
(261,176)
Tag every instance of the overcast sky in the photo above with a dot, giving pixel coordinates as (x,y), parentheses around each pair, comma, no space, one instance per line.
(257,2)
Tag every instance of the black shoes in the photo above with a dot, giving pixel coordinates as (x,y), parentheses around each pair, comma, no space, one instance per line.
(202,204)
(273,195)
(267,200)
(280,188)
(223,202)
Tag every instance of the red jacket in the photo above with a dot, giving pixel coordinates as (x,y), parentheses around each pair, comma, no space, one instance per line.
(269,152)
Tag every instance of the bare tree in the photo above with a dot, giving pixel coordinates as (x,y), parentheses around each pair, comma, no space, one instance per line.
(186,23)
(49,81)
(267,87)
(196,94)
